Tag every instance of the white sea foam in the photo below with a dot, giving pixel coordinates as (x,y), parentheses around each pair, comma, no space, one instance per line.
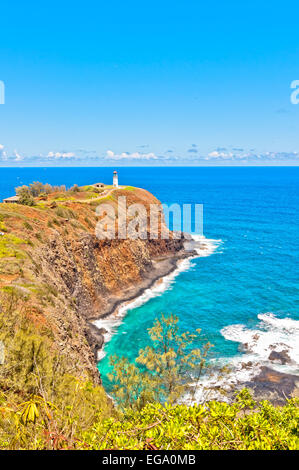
(203,247)
(272,334)
(218,383)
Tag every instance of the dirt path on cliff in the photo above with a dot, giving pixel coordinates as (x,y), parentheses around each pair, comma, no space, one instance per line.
(106,193)
(103,195)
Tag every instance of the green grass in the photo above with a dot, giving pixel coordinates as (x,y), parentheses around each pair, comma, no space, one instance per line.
(4,214)
(65,212)
(92,195)
(9,246)
(63,198)
(41,205)
(89,223)
(108,198)
(87,188)
(2,227)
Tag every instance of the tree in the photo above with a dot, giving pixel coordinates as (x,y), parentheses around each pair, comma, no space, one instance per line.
(172,359)
(132,389)
(168,366)
(25,196)
(36,188)
(75,188)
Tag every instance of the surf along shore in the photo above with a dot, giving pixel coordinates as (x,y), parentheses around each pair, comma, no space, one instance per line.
(265,382)
(163,271)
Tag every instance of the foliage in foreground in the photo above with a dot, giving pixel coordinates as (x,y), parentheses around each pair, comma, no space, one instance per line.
(37,424)
(201,427)
(43,406)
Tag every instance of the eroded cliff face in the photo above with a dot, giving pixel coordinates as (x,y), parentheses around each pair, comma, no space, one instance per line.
(72,275)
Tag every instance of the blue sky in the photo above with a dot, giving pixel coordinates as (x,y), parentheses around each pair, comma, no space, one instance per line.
(149,83)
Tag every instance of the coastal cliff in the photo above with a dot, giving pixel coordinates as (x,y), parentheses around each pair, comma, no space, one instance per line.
(56,277)
(51,257)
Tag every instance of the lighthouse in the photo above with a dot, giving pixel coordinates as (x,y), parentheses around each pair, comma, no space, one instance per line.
(115,179)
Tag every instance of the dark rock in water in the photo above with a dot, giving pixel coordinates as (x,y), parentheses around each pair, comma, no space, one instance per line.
(281,356)
(103,331)
(243,347)
(246,365)
(187,236)
(274,386)
(95,337)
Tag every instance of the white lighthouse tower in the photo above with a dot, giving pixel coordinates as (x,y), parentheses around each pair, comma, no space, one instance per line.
(115,179)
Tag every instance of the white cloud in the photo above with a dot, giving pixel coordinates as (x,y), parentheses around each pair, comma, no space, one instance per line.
(217,154)
(213,154)
(110,155)
(18,157)
(251,156)
(3,154)
(61,155)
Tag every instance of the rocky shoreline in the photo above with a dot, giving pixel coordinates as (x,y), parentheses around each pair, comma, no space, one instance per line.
(274,386)
(161,267)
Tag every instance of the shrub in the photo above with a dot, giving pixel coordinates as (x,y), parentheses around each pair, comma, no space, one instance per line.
(89,223)
(37,189)
(65,212)
(28,226)
(26,199)
(39,397)
(213,426)
(39,236)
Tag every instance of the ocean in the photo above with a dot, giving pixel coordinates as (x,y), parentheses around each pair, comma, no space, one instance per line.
(243,293)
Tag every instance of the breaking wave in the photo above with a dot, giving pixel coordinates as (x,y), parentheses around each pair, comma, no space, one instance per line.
(273,335)
(273,343)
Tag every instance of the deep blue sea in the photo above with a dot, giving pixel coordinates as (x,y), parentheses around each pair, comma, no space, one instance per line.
(244,295)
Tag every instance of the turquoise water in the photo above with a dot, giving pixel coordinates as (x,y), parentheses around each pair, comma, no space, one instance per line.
(253,270)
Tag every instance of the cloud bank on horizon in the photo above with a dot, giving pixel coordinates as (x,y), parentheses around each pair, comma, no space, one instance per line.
(192,156)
